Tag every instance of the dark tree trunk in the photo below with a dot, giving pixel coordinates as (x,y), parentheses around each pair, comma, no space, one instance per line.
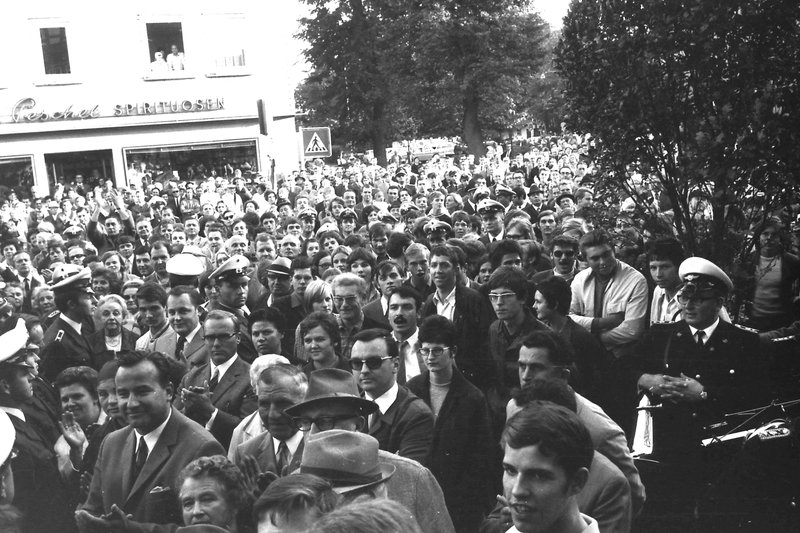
(473,135)
(379,132)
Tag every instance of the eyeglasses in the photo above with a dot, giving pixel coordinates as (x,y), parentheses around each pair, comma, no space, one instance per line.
(349,300)
(219,337)
(373,363)
(566,253)
(495,297)
(229,217)
(324,423)
(436,352)
(684,299)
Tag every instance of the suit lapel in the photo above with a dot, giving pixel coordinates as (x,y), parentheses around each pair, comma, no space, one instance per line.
(266,455)
(157,457)
(79,339)
(127,462)
(227,381)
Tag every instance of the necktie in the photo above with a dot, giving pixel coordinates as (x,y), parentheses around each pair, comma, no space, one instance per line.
(214,380)
(27,296)
(179,346)
(140,458)
(283,458)
(701,338)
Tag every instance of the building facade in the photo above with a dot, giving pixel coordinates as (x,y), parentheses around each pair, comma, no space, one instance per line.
(111,91)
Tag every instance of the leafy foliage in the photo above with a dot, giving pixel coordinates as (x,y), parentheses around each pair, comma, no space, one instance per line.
(701,94)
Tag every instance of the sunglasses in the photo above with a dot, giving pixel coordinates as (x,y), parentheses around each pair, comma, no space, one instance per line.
(373,363)
(568,254)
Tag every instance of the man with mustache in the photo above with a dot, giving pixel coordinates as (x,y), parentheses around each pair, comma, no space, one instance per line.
(564,256)
(404,305)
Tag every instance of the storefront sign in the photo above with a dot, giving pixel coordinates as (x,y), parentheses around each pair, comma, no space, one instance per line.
(26,111)
(169,106)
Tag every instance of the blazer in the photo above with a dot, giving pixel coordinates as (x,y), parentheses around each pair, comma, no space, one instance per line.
(164,343)
(195,352)
(472,317)
(374,311)
(291,307)
(729,366)
(406,428)
(63,348)
(463,446)
(249,427)
(181,442)
(100,354)
(233,396)
(263,449)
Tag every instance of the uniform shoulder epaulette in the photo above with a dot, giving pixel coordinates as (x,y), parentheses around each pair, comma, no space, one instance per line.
(59,335)
(54,314)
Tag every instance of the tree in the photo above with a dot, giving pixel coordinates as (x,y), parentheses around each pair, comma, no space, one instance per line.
(478,57)
(700,95)
(352,84)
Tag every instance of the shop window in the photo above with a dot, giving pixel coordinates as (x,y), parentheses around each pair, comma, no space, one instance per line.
(165,46)
(85,170)
(54,50)
(16,173)
(192,161)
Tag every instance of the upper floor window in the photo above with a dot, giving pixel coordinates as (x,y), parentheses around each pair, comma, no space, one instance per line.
(165,43)
(54,50)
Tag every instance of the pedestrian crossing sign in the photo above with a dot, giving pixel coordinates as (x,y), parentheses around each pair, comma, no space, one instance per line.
(316,142)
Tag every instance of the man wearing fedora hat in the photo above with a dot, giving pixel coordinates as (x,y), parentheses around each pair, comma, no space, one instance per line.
(349,461)
(695,370)
(333,402)
(65,341)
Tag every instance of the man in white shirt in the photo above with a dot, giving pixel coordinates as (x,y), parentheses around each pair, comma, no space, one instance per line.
(547,456)
(279,448)
(404,304)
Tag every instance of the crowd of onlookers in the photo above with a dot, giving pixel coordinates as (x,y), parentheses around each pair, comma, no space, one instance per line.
(460,344)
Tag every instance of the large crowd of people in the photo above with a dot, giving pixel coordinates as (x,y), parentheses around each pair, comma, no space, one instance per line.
(455,345)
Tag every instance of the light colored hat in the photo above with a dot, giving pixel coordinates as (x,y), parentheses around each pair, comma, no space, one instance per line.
(490,206)
(183,264)
(701,271)
(12,344)
(69,276)
(235,267)
(348,460)
(7,436)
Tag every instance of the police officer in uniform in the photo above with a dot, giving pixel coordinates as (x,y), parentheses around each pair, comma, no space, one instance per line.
(65,341)
(38,489)
(231,281)
(694,372)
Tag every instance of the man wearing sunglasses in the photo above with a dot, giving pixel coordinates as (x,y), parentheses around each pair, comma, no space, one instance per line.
(696,370)
(333,402)
(564,257)
(403,423)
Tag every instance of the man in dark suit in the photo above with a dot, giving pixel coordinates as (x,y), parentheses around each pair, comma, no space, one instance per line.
(697,370)
(462,441)
(148,453)
(35,472)
(403,423)
(279,448)
(218,394)
(231,280)
(468,310)
(492,212)
(389,278)
(65,341)
(292,306)
(183,313)
(26,276)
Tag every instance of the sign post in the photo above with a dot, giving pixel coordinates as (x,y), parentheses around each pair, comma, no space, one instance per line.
(316,142)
